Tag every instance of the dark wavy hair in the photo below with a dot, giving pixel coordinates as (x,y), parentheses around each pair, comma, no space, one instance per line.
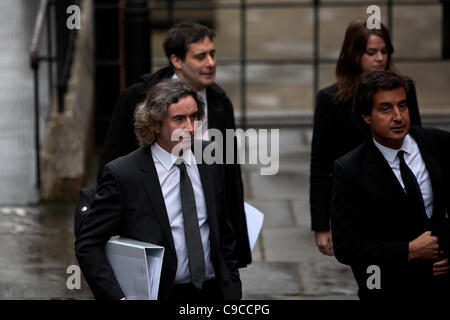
(348,67)
(149,115)
(181,35)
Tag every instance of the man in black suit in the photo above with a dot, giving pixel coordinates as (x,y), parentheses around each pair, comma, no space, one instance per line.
(151,196)
(390,198)
(190,50)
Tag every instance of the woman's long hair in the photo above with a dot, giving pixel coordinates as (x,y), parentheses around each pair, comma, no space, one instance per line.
(348,67)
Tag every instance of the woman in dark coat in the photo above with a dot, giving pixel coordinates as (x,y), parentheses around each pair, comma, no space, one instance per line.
(336,128)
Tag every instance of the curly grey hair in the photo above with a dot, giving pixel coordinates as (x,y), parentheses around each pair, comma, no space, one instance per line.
(149,114)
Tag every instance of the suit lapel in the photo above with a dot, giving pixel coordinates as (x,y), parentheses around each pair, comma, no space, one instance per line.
(381,172)
(152,188)
(206,177)
(433,168)
(208,190)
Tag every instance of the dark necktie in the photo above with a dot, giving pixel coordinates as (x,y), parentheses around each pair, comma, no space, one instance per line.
(191,229)
(411,185)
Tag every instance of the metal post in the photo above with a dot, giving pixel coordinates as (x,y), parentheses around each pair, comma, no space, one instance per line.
(49,51)
(316,47)
(445,29)
(62,43)
(121,41)
(137,40)
(37,129)
(390,19)
(34,63)
(243,64)
(107,64)
(170,13)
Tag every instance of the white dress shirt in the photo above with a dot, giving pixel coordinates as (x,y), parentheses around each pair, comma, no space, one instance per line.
(415,162)
(169,179)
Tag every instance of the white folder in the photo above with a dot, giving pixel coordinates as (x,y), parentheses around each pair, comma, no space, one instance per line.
(136,265)
(255,219)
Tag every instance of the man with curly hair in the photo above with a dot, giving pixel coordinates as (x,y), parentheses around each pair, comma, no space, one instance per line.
(168,199)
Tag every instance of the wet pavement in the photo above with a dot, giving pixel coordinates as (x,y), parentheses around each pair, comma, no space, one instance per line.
(36,245)
(36,242)
(286,257)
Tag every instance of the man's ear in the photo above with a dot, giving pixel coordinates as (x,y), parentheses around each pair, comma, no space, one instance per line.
(158,128)
(176,61)
(366,118)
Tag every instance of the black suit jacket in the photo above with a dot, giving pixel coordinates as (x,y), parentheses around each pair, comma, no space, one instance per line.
(121,140)
(337,131)
(129,202)
(372,221)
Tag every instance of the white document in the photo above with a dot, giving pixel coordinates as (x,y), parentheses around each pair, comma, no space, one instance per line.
(255,219)
(136,265)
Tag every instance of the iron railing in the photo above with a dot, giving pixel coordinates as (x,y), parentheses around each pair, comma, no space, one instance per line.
(51,18)
(315,61)
(35,59)
(65,40)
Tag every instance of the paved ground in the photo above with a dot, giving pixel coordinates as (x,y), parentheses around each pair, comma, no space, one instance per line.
(36,242)
(287,264)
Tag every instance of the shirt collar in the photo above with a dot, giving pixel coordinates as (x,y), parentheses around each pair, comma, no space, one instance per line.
(390,154)
(168,160)
(201,93)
